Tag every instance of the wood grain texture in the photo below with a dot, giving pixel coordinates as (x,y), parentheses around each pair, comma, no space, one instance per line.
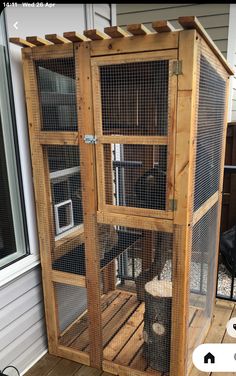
(73,36)
(95,34)
(20,42)
(183,194)
(146,223)
(37,41)
(88,176)
(138,29)
(58,138)
(56,39)
(43,204)
(191,22)
(116,32)
(162,26)
(151,42)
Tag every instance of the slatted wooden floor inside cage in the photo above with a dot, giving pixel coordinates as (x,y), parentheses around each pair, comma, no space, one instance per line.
(122,319)
(50,365)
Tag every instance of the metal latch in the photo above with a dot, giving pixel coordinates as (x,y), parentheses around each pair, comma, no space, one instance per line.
(173,204)
(90,139)
(177,67)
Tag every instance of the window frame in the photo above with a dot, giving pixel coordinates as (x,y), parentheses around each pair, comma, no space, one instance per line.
(7,113)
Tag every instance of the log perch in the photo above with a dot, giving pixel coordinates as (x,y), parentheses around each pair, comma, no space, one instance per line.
(157,324)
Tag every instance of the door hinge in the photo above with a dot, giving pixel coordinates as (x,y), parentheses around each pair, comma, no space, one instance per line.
(173,204)
(90,139)
(177,67)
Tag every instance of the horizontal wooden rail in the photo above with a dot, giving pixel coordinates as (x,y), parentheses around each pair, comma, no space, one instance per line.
(73,354)
(136,140)
(68,278)
(199,213)
(68,242)
(142,212)
(144,223)
(58,138)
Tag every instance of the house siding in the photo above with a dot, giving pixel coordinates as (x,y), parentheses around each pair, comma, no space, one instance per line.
(22,325)
(214,17)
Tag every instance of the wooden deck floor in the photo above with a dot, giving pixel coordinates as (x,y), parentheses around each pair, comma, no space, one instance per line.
(51,365)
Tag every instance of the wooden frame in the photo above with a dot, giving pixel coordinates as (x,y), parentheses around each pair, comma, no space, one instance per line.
(116,46)
(102,139)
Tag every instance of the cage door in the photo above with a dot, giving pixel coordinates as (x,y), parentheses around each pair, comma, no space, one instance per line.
(134,112)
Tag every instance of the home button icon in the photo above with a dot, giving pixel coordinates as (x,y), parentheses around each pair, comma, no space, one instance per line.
(209,358)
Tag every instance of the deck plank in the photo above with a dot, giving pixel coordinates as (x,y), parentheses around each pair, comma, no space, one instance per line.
(82,341)
(139,362)
(227,339)
(131,348)
(122,337)
(119,319)
(130,352)
(87,371)
(65,367)
(82,324)
(44,365)
(222,313)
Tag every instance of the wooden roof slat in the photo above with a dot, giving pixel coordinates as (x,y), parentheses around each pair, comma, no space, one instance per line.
(162,26)
(37,41)
(21,42)
(192,22)
(56,39)
(95,34)
(116,32)
(138,29)
(73,36)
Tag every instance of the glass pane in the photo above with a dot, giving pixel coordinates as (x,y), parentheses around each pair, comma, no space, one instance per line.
(7,235)
(12,226)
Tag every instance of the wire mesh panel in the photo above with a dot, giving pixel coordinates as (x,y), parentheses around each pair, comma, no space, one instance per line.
(72,316)
(66,207)
(210,128)
(203,259)
(65,181)
(209,133)
(135,98)
(135,175)
(137,320)
(56,86)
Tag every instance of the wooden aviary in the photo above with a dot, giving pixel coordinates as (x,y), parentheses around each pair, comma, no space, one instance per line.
(127,132)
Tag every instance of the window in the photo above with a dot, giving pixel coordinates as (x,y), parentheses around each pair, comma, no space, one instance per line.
(13,239)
